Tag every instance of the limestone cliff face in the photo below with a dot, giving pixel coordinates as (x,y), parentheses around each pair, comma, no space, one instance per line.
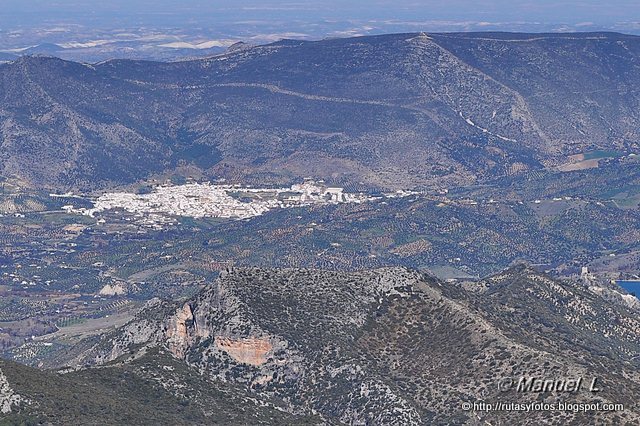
(213,331)
(216,333)
(216,315)
(178,335)
(182,331)
(251,350)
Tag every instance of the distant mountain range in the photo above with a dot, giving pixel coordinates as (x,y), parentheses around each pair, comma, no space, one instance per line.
(376,347)
(98,50)
(391,111)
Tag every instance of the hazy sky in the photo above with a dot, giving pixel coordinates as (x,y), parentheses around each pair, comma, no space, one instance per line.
(95,30)
(179,12)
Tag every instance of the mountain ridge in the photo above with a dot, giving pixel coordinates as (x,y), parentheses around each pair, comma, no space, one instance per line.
(315,339)
(439,111)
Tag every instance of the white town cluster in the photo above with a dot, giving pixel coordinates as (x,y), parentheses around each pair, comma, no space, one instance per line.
(199,200)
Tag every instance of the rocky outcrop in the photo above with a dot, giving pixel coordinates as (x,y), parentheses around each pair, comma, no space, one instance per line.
(112,290)
(177,334)
(8,398)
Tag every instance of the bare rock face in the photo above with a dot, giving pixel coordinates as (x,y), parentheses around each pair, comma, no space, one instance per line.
(177,336)
(251,351)
(182,331)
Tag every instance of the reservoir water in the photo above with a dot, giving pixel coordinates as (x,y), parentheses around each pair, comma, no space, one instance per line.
(632,286)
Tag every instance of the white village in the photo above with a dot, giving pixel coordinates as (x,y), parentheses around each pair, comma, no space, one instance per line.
(206,200)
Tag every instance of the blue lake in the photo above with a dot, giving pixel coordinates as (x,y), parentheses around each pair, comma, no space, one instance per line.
(632,286)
